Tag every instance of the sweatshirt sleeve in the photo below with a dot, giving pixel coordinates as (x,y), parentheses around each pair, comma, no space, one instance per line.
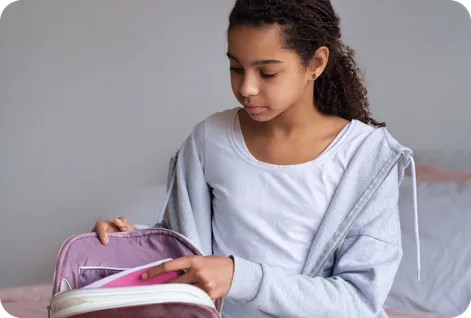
(189,208)
(365,268)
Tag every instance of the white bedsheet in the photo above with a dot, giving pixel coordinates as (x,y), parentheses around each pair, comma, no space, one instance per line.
(444,223)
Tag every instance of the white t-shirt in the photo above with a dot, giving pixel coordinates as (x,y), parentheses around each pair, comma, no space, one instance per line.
(263,212)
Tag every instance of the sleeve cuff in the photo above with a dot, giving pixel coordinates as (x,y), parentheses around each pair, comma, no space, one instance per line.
(246,280)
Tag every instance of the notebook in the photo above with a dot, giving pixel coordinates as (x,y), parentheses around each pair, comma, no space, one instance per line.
(132,277)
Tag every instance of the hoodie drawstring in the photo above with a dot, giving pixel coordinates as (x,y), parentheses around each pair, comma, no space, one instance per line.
(416,215)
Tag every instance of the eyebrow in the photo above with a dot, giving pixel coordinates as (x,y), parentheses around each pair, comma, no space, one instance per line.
(258,62)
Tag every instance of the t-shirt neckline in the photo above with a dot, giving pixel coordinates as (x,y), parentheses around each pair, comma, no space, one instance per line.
(240,147)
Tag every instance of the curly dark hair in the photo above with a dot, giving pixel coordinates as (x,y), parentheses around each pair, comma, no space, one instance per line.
(308,25)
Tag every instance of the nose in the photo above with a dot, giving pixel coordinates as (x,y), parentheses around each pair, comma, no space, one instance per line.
(248,86)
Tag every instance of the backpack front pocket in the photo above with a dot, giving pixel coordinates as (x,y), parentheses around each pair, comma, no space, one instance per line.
(90,274)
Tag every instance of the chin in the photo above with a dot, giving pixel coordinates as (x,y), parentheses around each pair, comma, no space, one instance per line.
(263,118)
(260,119)
(264,115)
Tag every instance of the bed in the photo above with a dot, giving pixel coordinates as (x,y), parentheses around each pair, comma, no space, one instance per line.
(32,302)
(26,301)
(444,197)
(444,204)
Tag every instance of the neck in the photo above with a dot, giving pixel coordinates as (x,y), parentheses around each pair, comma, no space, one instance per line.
(296,118)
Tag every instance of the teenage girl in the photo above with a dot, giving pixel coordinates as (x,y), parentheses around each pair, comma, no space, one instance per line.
(293,195)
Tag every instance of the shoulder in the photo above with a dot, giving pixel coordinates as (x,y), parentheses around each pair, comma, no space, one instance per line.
(217,121)
(348,136)
(360,130)
(371,137)
(214,125)
(210,128)
(378,148)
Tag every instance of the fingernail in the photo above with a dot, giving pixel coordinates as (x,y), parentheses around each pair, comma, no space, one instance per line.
(145,275)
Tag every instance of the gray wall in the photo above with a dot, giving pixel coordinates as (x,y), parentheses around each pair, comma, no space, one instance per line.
(95,96)
(416,57)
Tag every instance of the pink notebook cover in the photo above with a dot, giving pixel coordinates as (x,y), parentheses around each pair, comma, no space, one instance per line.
(132,277)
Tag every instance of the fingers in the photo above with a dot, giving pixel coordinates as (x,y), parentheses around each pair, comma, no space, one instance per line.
(123,224)
(185,278)
(129,225)
(192,278)
(179,264)
(103,228)
(206,290)
(120,224)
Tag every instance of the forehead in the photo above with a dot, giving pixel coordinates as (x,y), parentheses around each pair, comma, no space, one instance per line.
(247,43)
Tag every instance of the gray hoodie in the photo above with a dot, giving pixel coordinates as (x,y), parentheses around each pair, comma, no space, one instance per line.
(354,256)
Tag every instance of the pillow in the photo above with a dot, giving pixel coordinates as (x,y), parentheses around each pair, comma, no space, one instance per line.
(458,160)
(435,173)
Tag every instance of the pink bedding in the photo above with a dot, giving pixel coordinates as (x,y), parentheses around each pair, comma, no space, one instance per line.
(32,302)
(398,313)
(26,302)
(435,173)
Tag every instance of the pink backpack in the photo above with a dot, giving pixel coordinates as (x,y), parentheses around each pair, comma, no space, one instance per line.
(83,260)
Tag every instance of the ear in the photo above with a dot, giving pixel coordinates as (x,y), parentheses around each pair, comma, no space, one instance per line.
(318,63)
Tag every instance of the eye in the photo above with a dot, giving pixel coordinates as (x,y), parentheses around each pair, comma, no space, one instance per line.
(237,69)
(266,75)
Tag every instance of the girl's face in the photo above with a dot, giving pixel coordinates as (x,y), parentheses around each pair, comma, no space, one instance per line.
(266,78)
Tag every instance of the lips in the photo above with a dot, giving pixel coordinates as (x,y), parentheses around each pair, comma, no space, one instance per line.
(252,109)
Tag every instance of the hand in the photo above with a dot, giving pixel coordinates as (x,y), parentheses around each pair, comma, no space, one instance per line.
(213,274)
(117,225)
